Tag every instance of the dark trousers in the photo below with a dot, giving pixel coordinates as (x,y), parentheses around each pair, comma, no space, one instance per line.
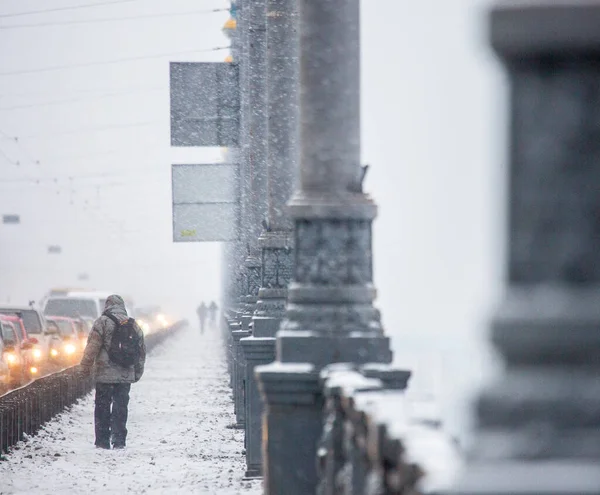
(111,421)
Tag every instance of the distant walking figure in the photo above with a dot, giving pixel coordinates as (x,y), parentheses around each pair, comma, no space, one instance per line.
(202,311)
(116,352)
(212,313)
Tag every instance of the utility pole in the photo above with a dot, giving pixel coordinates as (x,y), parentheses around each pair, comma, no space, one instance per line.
(276,239)
(330,315)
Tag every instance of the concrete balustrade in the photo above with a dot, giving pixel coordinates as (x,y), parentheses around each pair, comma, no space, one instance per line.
(372,441)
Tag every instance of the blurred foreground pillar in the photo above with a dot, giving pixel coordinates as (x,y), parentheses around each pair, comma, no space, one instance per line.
(540,425)
(330,315)
(276,240)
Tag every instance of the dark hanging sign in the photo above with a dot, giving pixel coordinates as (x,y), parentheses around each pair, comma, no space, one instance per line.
(205,104)
(11,219)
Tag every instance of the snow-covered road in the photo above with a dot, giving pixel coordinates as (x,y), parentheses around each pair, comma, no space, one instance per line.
(179,441)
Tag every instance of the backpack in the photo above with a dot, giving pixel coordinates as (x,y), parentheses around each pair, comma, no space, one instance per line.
(124,347)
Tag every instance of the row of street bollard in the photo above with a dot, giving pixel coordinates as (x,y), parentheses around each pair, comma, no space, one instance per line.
(25,410)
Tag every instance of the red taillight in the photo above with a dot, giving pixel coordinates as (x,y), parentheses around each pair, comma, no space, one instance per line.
(33,340)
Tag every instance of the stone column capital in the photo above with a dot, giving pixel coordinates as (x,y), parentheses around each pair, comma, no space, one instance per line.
(524,28)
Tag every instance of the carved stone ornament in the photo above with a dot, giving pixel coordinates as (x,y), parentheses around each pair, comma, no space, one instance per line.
(333,319)
(254,276)
(270,307)
(277,268)
(333,252)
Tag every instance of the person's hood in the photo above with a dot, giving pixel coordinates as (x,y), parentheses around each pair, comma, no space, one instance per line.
(115,306)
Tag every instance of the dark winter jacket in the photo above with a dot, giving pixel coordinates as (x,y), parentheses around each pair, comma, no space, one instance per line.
(96,355)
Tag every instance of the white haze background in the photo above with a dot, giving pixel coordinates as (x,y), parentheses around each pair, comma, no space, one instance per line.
(433,114)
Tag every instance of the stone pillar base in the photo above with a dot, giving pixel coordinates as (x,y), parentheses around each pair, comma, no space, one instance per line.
(322,350)
(257,351)
(239,377)
(536,476)
(271,302)
(252,474)
(294,404)
(265,326)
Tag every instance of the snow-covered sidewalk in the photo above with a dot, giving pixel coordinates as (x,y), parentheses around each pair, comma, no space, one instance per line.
(178,442)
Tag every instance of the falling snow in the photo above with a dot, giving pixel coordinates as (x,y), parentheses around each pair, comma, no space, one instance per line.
(180,436)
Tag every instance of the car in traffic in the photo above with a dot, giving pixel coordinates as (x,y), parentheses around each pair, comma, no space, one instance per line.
(4,370)
(30,347)
(80,304)
(14,354)
(35,324)
(84,327)
(72,306)
(151,319)
(65,347)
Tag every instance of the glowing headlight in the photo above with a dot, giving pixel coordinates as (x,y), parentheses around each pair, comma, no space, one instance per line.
(162,319)
(143,325)
(53,352)
(11,358)
(70,349)
(37,354)
(33,370)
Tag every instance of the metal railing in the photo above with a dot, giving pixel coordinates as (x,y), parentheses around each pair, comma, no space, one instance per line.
(24,410)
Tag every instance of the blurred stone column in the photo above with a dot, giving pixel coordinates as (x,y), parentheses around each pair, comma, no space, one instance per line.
(256,173)
(231,250)
(539,426)
(254,178)
(276,239)
(330,315)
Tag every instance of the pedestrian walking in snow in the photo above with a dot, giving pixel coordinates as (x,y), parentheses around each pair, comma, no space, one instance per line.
(116,353)
(212,313)
(202,312)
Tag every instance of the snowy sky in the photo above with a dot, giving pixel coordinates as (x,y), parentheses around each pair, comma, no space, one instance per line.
(433,121)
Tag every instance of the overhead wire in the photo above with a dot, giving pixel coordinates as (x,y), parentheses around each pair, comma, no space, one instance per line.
(76,90)
(8,159)
(109,62)
(77,100)
(15,140)
(65,8)
(40,180)
(93,129)
(111,19)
